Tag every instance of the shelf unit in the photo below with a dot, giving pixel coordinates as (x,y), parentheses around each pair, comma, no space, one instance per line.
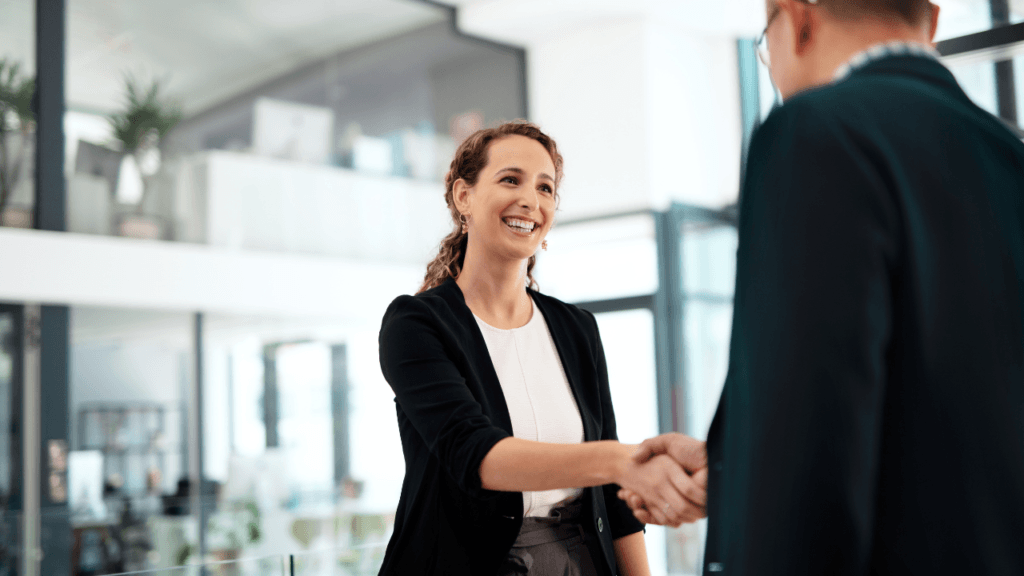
(132,438)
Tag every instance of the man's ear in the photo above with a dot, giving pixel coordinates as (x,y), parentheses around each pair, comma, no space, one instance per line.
(935,21)
(805,26)
(802,20)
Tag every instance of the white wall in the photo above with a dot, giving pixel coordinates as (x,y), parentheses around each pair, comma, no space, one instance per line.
(642,97)
(586,89)
(694,126)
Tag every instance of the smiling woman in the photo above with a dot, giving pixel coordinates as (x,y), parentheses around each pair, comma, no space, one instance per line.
(470,159)
(504,405)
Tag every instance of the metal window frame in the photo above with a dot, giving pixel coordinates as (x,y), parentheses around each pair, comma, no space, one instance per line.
(667,304)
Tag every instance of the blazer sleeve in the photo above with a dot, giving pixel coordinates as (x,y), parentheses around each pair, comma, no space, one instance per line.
(621,518)
(433,394)
(819,244)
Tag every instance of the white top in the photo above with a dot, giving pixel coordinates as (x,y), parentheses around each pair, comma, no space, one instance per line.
(540,402)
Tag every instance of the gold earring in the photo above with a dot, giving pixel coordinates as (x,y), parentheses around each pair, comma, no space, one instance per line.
(465,222)
(544,245)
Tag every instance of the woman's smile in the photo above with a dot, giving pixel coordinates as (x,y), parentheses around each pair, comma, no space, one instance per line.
(520,226)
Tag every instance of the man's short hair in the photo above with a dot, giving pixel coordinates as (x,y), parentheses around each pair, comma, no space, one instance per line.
(913,12)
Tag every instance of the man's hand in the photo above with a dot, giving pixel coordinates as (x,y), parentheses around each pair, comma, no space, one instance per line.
(692,456)
(690,453)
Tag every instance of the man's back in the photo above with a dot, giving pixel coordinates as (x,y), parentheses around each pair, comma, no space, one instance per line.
(875,399)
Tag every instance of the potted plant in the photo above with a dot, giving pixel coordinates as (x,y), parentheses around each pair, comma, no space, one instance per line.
(17,125)
(140,128)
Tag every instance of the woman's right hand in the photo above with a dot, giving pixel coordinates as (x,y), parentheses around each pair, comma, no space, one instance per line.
(667,491)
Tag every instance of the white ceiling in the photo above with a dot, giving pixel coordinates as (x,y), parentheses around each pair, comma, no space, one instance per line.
(204,51)
(208,50)
(529,21)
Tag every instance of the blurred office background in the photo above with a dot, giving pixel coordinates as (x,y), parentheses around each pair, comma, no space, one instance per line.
(208,205)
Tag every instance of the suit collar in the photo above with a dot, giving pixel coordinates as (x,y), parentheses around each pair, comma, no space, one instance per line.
(882,51)
(929,70)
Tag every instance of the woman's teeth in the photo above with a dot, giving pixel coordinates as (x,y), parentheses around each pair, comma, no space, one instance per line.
(520,225)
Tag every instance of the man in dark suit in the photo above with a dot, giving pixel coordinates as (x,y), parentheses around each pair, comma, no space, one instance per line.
(872,421)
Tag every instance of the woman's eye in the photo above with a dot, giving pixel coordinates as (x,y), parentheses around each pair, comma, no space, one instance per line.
(546,189)
(510,180)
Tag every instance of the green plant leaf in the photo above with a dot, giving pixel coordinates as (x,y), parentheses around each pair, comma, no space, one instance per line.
(16,94)
(144,112)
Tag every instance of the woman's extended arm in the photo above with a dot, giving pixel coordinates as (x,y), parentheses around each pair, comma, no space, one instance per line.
(517,465)
(631,555)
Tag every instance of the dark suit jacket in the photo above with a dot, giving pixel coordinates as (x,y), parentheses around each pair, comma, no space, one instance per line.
(451,412)
(872,421)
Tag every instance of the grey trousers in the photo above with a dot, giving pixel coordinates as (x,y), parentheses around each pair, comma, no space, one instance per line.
(558,545)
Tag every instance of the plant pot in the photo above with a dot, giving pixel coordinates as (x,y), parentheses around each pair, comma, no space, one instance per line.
(141,227)
(16,217)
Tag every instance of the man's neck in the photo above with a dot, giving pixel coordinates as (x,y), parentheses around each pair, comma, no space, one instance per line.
(844,41)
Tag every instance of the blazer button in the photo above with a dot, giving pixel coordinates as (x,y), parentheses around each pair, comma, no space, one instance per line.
(600,524)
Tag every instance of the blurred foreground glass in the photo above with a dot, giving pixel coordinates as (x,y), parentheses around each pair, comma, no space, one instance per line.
(269,566)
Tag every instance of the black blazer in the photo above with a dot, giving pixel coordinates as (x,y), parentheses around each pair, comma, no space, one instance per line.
(451,412)
(872,421)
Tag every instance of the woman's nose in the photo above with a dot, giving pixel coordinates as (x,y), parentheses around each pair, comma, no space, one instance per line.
(529,200)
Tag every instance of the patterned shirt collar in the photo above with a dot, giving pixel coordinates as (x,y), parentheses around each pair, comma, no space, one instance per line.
(885,50)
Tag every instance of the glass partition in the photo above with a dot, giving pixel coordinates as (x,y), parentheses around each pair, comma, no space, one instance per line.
(263,125)
(17,120)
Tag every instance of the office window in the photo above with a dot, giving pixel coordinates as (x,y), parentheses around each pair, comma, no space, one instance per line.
(301,437)
(628,339)
(599,260)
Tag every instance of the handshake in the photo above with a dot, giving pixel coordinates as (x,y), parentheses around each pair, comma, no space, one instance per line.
(665,482)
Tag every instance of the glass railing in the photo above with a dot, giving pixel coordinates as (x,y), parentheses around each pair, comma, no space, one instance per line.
(348,561)
(311,534)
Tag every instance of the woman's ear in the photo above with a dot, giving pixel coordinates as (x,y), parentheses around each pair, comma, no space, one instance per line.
(460,196)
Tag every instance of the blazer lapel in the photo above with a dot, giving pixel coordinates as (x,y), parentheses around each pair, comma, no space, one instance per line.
(476,350)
